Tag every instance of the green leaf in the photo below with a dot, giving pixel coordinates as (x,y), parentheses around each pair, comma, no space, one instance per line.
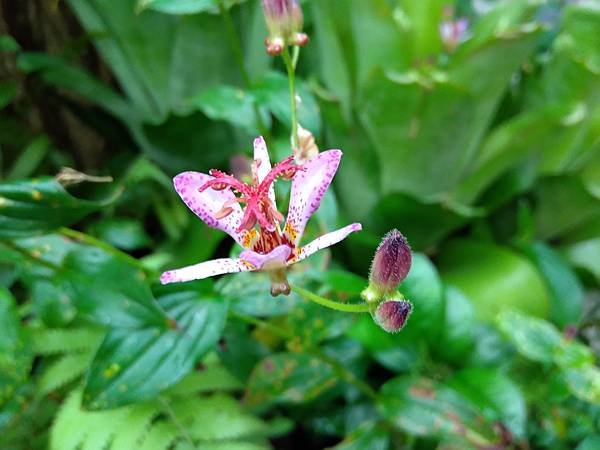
(590,443)
(230,104)
(179,6)
(495,394)
(15,357)
(493,278)
(585,255)
(8,92)
(108,291)
(458,331)
(534,338)
(289,378)
(134,365)
(126,234)
(45,341)
(423,287)
(272,92)
(8,44)
(62,371)
(369,436)
(584,383)
(30,158)
(565,290)
(34,207)
(423,407)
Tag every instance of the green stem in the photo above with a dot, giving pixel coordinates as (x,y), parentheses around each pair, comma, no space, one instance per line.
(90,240)
(338,306)
(290,66)
(30,256)
(238,53)
(340,369)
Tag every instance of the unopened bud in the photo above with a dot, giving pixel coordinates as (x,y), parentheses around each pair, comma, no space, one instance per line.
(453,31)
(391,315)
(389,267)
(284,20)
(307,147)
(68,176)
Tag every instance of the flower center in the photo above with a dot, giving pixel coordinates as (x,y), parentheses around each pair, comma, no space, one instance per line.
(259,209)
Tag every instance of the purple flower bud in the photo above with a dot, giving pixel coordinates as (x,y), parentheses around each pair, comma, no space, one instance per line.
(284,20)
(390,265)
(391,315)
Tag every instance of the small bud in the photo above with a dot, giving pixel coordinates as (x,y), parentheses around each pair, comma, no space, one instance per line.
(391,315)
(307,147)
(389,267)
(284,20)
(453,31)
(68,176)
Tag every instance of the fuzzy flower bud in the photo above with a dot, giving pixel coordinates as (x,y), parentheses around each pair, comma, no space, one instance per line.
(391,315)
(389,267)
(284,20)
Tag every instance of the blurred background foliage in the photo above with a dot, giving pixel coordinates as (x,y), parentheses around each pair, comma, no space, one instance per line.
(482,148)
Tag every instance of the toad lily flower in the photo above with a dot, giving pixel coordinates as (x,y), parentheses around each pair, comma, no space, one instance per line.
(217,200)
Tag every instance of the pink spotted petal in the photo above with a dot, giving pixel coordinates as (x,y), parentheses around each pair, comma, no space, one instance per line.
(204,270)
(208,203)
(261,157)
(308,188)
(327,240)
(275,259)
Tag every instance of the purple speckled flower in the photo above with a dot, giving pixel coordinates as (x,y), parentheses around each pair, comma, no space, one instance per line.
(453,32)
(391,315)
(217,200)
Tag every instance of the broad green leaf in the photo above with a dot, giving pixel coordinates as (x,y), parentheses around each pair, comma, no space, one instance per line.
(289,378)
(457,336)
(590,443)
(493,278)
(422,124)
(565,290)
(311,323)
(126,234)
(272,92)
(134,365)
(423,288)
(423,407)
(534,338)
(233,105)
(106,290)
(34,207)
(584,383)
(369,436)
(495,394)
(62,371)
(15,357)
(585,255)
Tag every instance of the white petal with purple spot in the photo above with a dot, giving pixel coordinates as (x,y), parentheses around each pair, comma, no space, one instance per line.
(206,204)
(261,158)
(327,240)
(308,188)
(204,270)
(275,259)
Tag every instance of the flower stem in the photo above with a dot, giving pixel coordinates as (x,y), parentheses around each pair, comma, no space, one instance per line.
(236,46)
(290,65)
(341,370)
(338,306)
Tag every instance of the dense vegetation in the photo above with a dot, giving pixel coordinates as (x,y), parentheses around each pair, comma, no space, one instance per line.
(471,126)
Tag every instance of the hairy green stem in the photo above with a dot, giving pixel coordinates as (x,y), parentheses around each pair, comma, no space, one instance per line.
(339,368)
(338,306)
(290,66)
(236,46)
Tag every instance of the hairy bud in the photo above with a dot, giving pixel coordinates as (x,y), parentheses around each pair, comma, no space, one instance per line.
(391,315)
(284,20)
(389,267)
